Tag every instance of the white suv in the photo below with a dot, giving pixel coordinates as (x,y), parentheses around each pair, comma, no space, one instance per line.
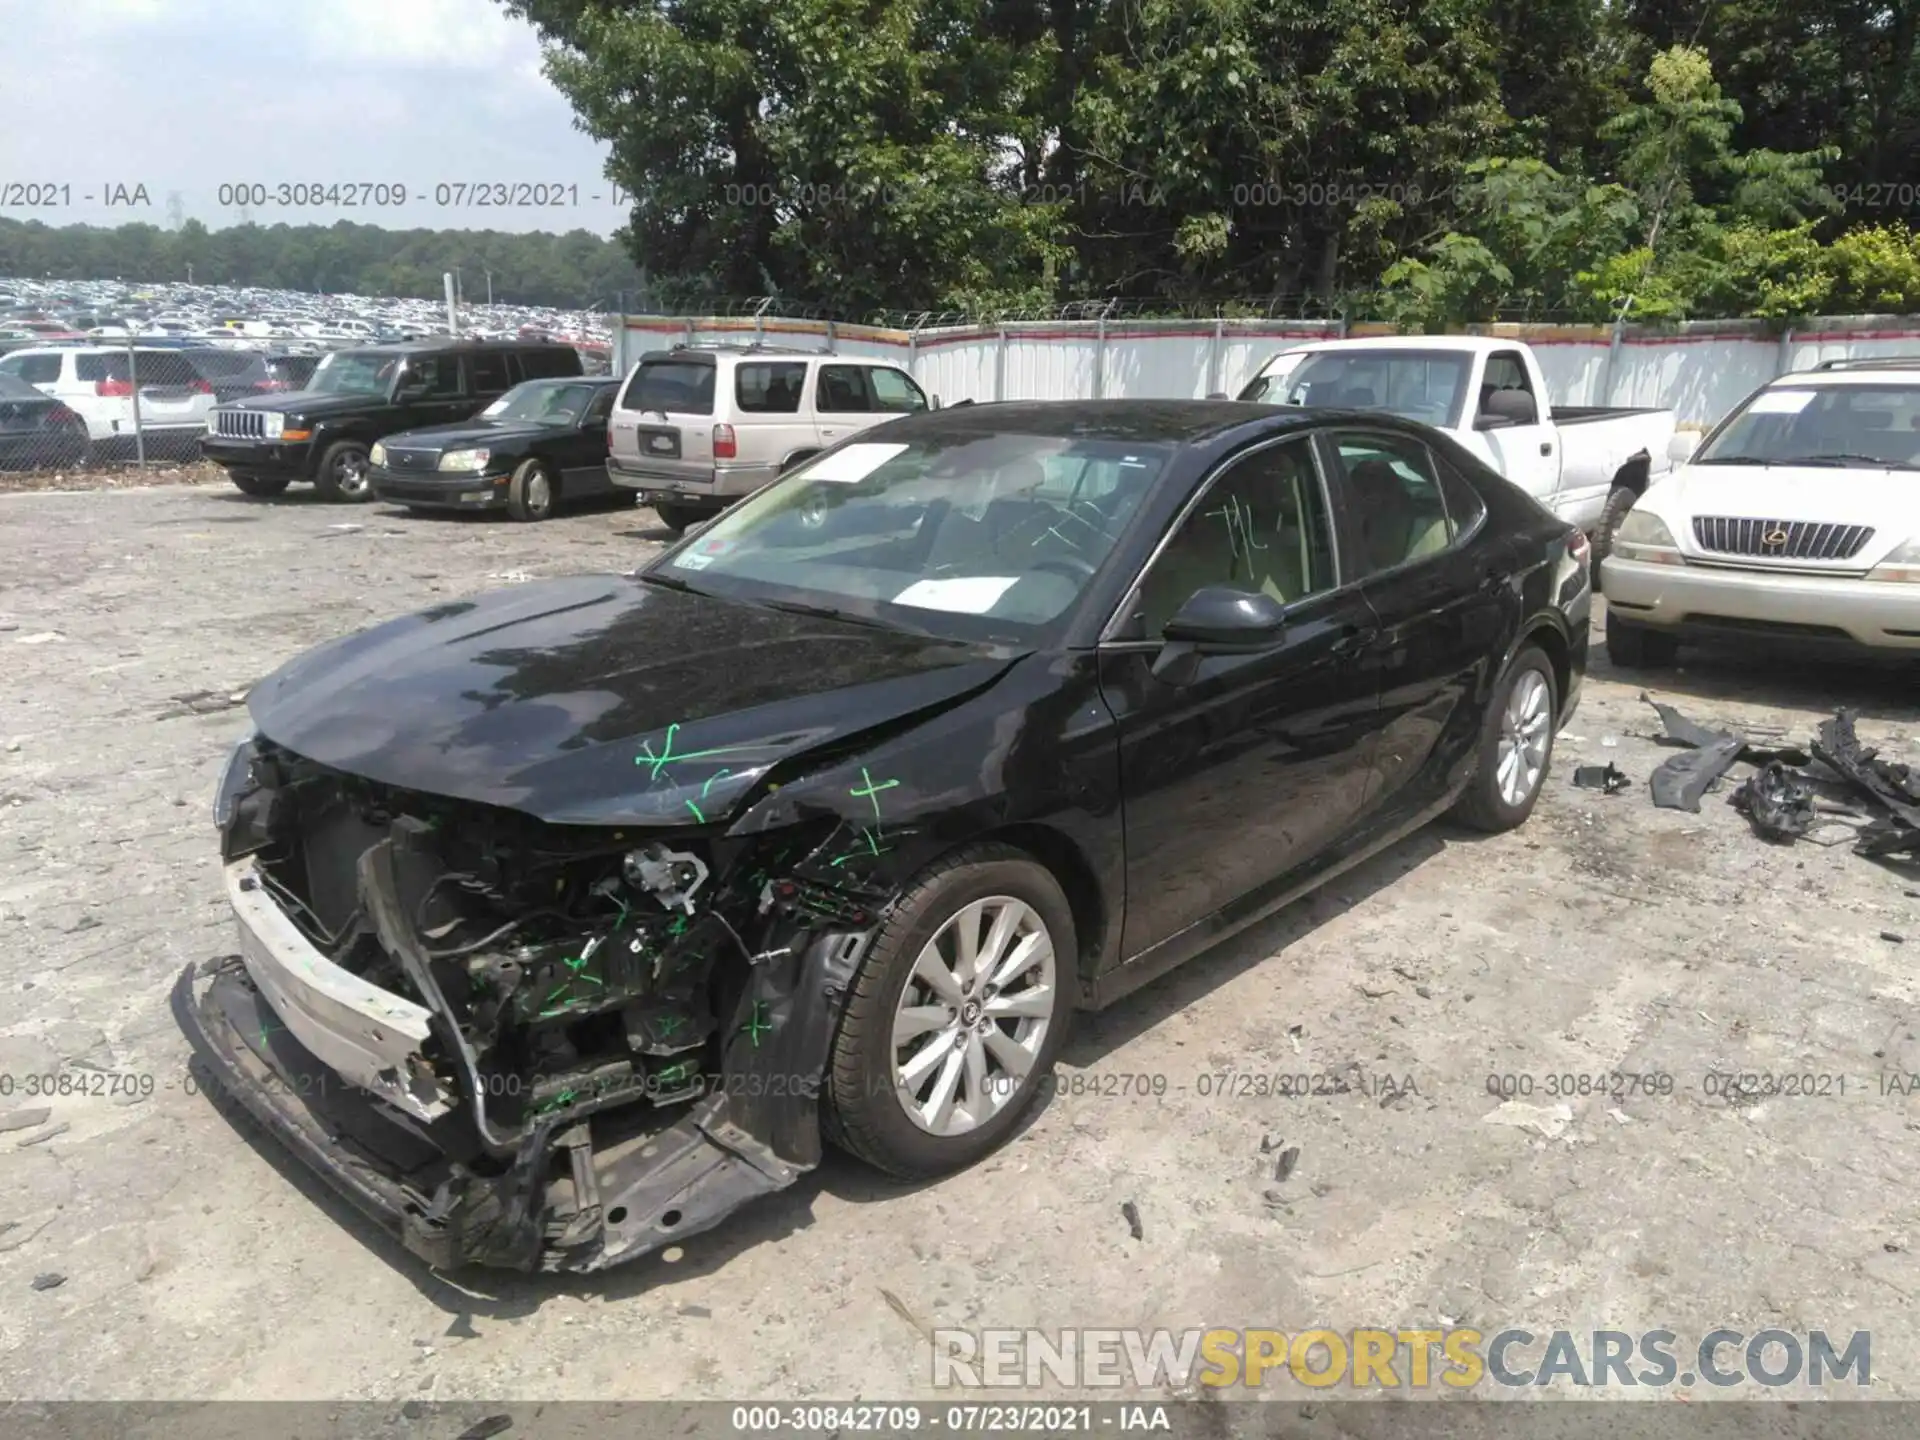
(697,428)
(1798,517)
(97,383)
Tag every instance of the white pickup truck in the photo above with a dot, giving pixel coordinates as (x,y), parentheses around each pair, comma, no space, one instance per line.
(1587,464)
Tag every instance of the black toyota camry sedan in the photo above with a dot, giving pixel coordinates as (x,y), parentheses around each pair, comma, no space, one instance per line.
(542,442)
(576,915)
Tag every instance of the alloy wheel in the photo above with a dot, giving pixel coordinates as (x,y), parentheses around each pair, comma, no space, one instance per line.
(973,1016)
(350,472)
(539,494)
(1524,734)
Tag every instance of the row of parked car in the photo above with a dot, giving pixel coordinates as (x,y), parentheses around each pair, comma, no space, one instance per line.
(517,425)
(65,404)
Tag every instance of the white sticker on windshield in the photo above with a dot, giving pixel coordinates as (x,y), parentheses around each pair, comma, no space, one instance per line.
(856,462)
(692,560)
(967,595)
(1781,402)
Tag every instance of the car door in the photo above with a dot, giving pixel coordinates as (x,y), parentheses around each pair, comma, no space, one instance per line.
(1238,783)
(842,403)
(1413,536)
(1527,454)
(586,447)
(432,392)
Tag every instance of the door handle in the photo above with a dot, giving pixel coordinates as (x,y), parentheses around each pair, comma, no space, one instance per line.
(1546,447)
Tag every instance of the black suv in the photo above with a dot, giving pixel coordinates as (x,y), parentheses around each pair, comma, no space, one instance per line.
(322,434)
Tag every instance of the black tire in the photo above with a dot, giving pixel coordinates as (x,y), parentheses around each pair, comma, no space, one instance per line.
(1639,647)
(1486,805)
(342,475)
(861,1113)
(678,517)
(531,493)
(261,485)
(1619,501)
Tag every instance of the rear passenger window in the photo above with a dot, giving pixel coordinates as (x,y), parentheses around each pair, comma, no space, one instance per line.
(893,390)
(670,386)
(549,362)
(34,369)
(770,389)
(843,390)
(490,375)
(1465,507)
(1393,494)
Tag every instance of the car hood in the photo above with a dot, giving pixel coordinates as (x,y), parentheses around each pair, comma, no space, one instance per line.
(602,699)
(1887,502)
(312,402)
(437,437)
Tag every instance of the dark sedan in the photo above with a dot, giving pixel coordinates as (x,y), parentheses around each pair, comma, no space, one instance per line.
(37,432)
(540,443)
(575,915)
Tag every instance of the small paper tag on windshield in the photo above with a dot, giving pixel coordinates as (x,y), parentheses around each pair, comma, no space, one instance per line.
(1781,402)
(855,462)
(964,595)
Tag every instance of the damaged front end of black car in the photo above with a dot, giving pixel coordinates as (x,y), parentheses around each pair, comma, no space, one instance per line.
(560,1033)
(520,1044)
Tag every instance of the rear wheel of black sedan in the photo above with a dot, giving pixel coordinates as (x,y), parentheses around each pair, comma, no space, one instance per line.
(1516,745)
(956,1016)
(257,484)
(530,493)
(343,473)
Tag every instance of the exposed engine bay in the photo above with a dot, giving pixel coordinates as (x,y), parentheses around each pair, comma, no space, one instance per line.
(562,1046)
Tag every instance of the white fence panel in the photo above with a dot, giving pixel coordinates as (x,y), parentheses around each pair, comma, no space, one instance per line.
(1701,370)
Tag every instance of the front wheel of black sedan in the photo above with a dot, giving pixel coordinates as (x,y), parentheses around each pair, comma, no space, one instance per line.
(530,494)
(1516,745)
(956,1016)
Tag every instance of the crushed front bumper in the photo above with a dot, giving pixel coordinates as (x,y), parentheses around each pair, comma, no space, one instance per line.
(571,1197)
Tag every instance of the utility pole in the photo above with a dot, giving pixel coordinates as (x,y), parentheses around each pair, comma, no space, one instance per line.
(489,289)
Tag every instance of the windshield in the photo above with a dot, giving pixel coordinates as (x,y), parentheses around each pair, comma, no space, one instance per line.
(964,536)
(1424,385)
(542,403)
(350,372)
(1869,426)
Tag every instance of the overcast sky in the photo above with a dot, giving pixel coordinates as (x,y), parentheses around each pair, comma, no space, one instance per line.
(183,96)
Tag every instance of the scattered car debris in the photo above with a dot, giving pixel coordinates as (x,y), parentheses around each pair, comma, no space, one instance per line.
(1546,1121)
(1132,1212)
(1680,782)
(1679,730)
(49,1280)
(23,1119)
(1283,1167)
(1894,788)
(1777,801)
(1610,779)
(1893,937)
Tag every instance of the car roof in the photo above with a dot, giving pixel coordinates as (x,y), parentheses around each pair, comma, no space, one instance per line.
(415,347)
(1872,372)
(1175,422)
(1462,344)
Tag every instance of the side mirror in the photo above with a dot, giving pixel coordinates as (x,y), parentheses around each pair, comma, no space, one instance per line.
(1218,621)
(1681,447)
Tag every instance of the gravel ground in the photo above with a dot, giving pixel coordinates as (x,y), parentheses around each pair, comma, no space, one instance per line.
(1605,936)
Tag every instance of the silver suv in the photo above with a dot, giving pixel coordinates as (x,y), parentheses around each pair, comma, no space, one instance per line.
(697,428)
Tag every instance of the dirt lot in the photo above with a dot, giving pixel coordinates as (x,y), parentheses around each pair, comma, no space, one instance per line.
(1604,936)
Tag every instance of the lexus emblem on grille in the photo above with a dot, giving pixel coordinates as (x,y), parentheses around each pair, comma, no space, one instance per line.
(1773,539)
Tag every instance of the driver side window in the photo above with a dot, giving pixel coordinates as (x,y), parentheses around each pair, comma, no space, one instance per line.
(1261,526)
(431,377)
